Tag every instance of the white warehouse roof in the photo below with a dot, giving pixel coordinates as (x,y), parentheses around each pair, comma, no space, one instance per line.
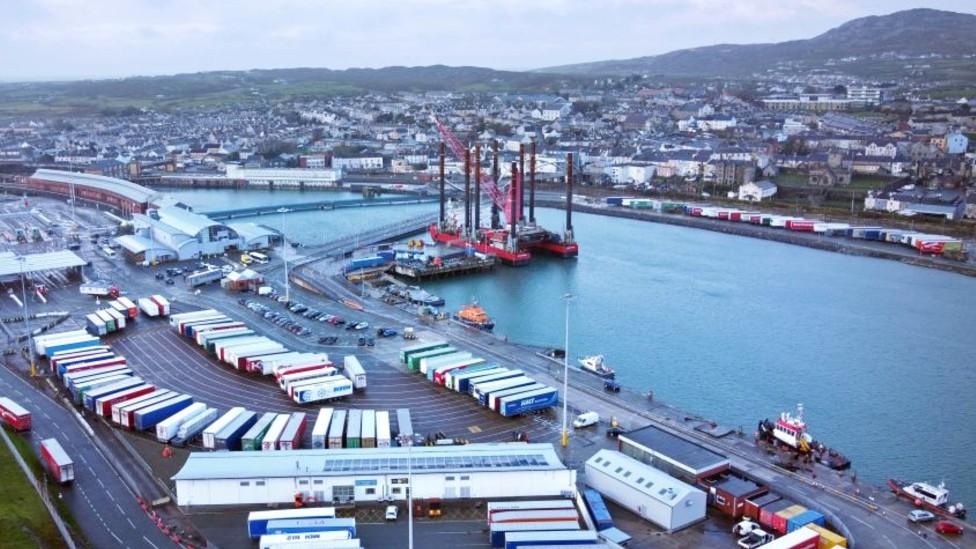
(48,261)
(185,221)
(641,477)
(352,461)
(128,189)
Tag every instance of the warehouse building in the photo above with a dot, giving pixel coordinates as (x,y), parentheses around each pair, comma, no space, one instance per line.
(373,474)
(286,178)
(123,196)
(648,492)
(672,454)
(174,233)
(729,492)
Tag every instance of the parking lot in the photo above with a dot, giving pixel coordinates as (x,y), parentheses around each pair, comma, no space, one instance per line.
(159,355)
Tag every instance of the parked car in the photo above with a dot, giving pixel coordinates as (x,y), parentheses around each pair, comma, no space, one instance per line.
(948,527)
(392,512)
(920,515)
(170,282)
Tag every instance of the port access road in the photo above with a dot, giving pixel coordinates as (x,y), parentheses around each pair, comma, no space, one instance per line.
(99,499)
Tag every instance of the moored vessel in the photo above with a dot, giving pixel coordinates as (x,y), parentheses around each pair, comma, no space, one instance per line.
(929,497)
(474,315)
(594,364)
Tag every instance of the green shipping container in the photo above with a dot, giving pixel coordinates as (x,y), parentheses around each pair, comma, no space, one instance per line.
(253,437)
(413,361)
(419,348)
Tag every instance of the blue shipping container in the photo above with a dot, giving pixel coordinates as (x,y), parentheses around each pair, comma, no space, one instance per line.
(51,349)
(303,525)
(598,509)
(257,521)
(804,518)
(230,437)
(147,418)
(528,402)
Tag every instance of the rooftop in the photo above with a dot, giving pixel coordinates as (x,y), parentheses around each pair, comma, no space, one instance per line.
(676,449)
(185,221)
(10,263)
(370,461)
(128,189)
(642,477)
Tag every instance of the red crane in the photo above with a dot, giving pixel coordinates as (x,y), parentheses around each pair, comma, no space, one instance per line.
(501,198)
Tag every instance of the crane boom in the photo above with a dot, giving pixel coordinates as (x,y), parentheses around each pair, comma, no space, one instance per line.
(499,197)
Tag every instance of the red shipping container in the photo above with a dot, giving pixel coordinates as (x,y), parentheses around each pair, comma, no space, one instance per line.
(768,511)
(106,405)
(755,504)
(15,415)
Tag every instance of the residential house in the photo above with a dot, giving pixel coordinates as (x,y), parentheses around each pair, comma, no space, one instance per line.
(757,191)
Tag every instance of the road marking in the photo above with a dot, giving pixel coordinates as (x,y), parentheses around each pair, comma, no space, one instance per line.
(110,496)
(131,523)
(474,429)
(116,537)
(149,542)
(100,483)
(861,521)
(120,508)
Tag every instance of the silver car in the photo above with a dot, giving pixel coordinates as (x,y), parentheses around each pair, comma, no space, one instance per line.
(920,515)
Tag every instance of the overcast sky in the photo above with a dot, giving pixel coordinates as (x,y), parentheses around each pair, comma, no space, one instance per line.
(69,39)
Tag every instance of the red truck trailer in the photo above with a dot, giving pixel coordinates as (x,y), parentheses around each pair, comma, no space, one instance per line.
(14,415)
(56,460)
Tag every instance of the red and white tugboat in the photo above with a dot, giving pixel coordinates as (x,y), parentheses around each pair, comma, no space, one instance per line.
(789,432)
(929,497)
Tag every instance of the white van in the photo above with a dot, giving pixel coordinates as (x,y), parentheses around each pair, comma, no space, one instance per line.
(586,419)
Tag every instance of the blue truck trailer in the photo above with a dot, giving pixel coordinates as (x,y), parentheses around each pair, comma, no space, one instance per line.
(147,418)
(523,403)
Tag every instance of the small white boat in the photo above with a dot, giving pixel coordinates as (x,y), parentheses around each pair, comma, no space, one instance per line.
(594,365)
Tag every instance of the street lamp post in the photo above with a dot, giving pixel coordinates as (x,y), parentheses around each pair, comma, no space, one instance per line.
(30,336)
(410,493)
(565,440)
(284,251)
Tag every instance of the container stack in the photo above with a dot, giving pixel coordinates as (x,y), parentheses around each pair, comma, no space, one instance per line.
(154,306)
(513,524)
(105,321)
(924,243)
(305,377)
(508,392)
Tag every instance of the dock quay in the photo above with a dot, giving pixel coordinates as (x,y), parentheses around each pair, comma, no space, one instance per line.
(232,213)
(875,250)
(867,515)
(419,270)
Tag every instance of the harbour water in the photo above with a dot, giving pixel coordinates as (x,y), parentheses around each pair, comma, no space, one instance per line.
(738,329)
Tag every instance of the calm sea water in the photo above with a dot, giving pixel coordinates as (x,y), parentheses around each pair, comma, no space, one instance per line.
(737,329)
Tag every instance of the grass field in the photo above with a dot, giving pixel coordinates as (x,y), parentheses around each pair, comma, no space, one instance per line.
(24,520)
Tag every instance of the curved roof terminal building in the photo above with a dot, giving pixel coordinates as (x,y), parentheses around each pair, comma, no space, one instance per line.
(122,195)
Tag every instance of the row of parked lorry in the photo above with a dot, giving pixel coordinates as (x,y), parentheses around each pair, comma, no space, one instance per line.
(305,376)
(507,391)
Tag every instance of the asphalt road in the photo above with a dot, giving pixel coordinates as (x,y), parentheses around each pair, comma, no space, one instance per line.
(99,499)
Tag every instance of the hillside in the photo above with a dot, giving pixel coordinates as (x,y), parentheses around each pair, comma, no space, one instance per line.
(230,87)
(907,33)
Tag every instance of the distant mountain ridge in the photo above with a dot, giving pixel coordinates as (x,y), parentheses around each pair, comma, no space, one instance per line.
(910,32)
(250,86)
